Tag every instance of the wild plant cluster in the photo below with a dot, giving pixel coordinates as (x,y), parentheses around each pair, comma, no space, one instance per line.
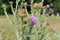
(32,26)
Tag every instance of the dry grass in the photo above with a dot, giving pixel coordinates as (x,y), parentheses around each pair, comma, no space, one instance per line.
(54,21)
(6,31)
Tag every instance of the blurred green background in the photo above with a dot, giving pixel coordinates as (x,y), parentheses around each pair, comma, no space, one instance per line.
(56,5)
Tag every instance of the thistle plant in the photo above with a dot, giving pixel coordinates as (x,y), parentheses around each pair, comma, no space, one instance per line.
(36,27)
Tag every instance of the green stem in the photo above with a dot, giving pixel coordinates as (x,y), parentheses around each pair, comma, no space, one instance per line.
(29,33)
(22,28)
(8,17)
(42,1)
(11,22)
(32,7)
(26,12)
(30,29)
(44,10)
(15,21)
(12,9)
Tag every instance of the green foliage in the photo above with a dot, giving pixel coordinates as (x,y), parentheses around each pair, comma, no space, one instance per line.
(37,1)
(1,9)
(56,6)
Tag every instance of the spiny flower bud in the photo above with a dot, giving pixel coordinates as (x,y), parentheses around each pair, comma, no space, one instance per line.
(11,2)
(25,4)
(3,6)
(35,4)
(22,3)
(40,4)
(47,6)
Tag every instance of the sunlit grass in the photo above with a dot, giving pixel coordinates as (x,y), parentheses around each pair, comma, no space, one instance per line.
(6,31)
(3,16)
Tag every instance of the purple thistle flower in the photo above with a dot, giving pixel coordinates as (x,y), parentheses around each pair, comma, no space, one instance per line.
(33,19)
(54,28)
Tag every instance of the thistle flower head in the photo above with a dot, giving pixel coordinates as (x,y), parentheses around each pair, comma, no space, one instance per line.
(54,28)
(21,12)
(33,19)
